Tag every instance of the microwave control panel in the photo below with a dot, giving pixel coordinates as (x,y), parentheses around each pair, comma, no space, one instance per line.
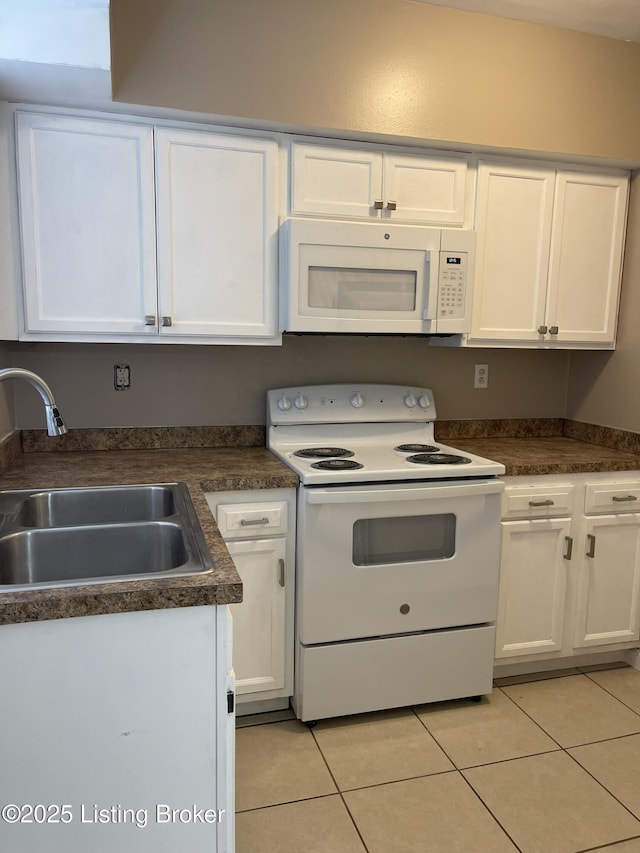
(452,284)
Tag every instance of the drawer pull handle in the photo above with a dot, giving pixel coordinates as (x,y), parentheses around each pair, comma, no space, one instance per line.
(378,204)
(622,500)
(281,572)
(591,539)
(547,502)
(569,543)
(249,522)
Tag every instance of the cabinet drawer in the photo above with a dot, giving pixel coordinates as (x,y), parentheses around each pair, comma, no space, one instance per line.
(252,520)
(537,501)
(613,497)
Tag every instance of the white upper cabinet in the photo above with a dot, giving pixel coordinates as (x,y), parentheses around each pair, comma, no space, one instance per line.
(369,184)
(88,224)
(548,256)
(514,213)
(217,233)
(586,256)
(88,208)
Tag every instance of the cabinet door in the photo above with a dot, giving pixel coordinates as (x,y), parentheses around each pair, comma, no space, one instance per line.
(217,230)
(259,621)
(87,217)
(513,224)
(335,181)
(424,189)
(586,257)
(608,581)
(533,580)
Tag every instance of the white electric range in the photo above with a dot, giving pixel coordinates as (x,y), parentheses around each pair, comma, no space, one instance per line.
(397,550)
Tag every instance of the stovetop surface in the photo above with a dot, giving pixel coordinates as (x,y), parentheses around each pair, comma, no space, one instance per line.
(373,447)
(360,427)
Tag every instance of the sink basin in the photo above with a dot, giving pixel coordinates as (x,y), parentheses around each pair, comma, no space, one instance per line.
(102,505)
(105,552)
(101,534)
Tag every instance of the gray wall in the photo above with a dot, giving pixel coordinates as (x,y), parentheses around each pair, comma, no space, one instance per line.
(212,385)
(6,397)
(604,388)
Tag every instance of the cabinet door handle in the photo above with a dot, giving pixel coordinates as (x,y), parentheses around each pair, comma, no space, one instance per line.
(392,205)
(378,204)
(149,319)
(568,541)
(622,500)
(248,522)
(167,321)
(542,330)
(591,550)
(553,330)
(281,572)
(546,502)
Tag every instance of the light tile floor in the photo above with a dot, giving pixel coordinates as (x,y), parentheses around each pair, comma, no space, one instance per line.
(545,764)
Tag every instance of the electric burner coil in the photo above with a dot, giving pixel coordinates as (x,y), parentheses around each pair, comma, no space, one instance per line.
(438,459)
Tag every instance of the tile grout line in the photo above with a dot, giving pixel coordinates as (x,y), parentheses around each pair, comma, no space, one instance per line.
(482,802)
(593,681)
(575,760)
(604,787)
(529,717)
(608,846)
(335,782)
(286,803)
(466,781)
(460,772)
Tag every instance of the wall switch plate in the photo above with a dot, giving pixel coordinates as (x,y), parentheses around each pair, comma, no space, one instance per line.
(121,377)
(481,376)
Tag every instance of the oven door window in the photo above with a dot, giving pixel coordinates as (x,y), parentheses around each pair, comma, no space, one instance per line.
(407,539)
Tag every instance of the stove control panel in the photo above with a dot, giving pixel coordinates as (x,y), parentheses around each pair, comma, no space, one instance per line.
(344,403)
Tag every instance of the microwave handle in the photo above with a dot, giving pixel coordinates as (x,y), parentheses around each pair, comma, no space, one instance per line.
(456,490)
(430,297)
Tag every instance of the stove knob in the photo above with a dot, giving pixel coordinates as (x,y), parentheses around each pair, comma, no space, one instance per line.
(410,400)
(357,400)
(284,403)
(300,402)
(423,401)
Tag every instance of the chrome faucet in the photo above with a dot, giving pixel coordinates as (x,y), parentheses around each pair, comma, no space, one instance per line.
(55,424)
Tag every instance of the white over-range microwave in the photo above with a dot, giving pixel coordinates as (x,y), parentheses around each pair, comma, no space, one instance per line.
(374,278)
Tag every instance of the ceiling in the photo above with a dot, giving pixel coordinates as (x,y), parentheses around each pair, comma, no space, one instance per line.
(614,18)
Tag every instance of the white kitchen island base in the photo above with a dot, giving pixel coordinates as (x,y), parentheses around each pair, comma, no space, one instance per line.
(116,733)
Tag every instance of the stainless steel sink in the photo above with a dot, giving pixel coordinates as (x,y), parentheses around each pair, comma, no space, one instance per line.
(103,534)
(106,505)
(105,551)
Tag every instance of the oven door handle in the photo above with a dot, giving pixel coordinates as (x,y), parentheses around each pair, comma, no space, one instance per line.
(457,490)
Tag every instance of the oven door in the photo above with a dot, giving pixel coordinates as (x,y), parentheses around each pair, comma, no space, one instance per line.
(380,560)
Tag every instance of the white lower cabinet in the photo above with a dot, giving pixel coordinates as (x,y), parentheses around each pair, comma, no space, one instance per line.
(533,587)
(259,530)
(118,733)
(570,567)
(258,622)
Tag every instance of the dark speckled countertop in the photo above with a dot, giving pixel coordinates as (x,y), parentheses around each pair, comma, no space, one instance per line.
(549,455)
(202,469)
(238,460)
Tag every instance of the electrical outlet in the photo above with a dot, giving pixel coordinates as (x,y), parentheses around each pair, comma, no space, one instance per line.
(121,377)
(481,376)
